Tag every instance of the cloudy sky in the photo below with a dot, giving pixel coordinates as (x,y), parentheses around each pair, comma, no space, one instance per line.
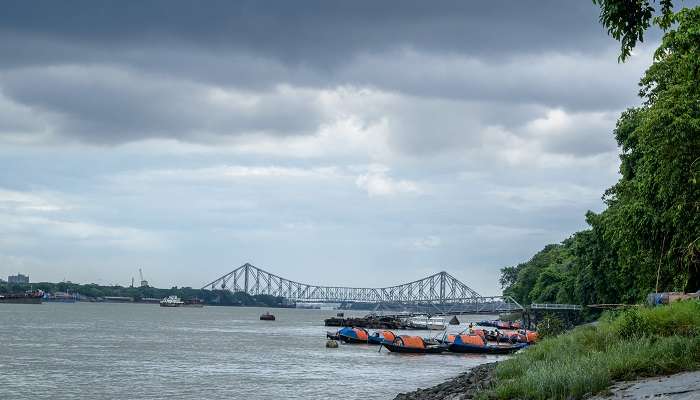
(344,143)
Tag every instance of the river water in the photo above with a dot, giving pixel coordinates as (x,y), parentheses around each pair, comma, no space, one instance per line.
(140,351)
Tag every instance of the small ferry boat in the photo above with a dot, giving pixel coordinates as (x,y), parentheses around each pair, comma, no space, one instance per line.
(267,317)
(414,345)
(353,335)
(171,301)
(60,297)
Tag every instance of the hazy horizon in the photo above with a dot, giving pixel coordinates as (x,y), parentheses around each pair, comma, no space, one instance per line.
(343,144)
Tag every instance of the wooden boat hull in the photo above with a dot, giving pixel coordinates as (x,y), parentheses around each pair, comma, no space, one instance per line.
(351,340)
(20,300)
(375,340)
(412,350)
(489,349)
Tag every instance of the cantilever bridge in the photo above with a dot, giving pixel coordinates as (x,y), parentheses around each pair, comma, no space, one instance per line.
(440,291)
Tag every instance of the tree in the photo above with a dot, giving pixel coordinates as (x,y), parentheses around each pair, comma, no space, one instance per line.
(648,237)
(626,20)
(653,215)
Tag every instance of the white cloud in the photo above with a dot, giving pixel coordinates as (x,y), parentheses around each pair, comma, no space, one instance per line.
(227,173)
(14,201)
(377,182)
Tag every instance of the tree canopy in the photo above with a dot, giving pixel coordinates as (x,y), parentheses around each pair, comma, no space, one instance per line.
(648,237)
(627,20)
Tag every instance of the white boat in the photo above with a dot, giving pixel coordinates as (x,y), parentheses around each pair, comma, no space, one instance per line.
(171,301)
(432,323)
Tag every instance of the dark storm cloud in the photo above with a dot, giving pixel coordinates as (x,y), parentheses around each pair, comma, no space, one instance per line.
(114,72)
(104,105)
(255,44)
(412,135)
(314,32)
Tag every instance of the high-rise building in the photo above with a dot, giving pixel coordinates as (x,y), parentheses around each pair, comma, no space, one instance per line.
(19,278)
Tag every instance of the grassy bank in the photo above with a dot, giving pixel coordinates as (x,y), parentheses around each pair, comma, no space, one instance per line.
(622,346)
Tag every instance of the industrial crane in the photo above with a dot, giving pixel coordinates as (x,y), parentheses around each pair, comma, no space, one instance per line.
(144,283)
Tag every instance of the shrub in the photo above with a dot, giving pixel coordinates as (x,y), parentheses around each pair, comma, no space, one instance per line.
(586,360)
(631,323)
(550,325)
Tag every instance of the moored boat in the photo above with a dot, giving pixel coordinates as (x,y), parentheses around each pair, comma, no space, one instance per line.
(474,343)
(267,317)
(29,297)
(196,302)
(332,335)
(380,336)
(501,324)
(171,301)
(510,336)
(353,335)
(60,297)
(414,345)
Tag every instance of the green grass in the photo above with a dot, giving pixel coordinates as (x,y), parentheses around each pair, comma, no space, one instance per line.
(636,343)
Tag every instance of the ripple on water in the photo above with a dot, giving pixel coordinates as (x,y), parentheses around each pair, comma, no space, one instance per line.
(61,351)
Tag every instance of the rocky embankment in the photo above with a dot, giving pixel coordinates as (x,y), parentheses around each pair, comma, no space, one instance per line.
(464,386)
(682,386)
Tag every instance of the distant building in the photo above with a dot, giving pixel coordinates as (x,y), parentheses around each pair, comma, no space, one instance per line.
(19,278)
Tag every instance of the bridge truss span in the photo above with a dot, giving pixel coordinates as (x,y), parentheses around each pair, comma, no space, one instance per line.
(440,288)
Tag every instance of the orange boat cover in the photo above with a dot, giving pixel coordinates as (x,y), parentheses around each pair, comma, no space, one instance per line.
(450,338)
(531,336)
(475,340)
(388,335)
(415,342)
(361,333)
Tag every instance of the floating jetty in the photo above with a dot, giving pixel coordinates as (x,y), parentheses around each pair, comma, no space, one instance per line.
(34,297)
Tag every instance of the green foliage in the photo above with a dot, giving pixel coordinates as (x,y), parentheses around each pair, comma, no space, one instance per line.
(550,326)
(631,323)
(627,20)
(682,318)
(587,359)
(96,292)
(648,238)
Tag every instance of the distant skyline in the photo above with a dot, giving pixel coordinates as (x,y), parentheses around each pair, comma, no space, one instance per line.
(348,144)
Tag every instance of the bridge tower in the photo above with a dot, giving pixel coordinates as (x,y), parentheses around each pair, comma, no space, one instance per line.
(439,292)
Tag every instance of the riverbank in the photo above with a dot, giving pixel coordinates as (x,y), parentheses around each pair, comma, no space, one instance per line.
(464,386)
(636,344)
(680,386)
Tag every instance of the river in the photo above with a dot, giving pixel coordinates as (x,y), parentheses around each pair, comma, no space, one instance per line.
(143,351)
